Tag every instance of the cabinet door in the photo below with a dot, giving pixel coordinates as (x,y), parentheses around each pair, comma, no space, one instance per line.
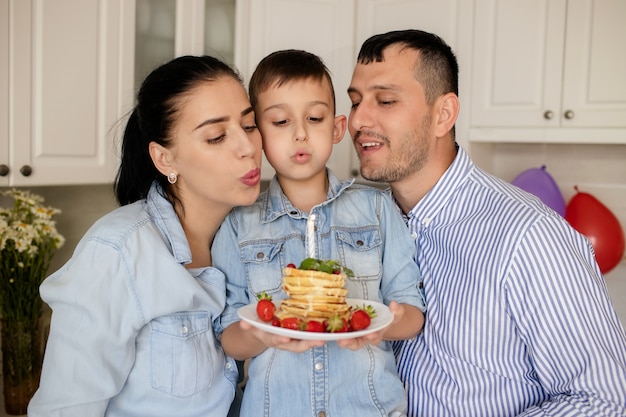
(323,27)
(71,77)
(380,16)
(169,28)
(594,83)
(517,63)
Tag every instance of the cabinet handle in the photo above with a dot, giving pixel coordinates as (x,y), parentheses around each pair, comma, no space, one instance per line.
(26,170)
(4,170)
(548,115)
(569,114)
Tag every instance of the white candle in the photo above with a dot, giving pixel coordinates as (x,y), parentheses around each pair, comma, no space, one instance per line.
(310,236)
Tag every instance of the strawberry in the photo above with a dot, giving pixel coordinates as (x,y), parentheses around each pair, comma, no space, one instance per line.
(291,266)
(265,308)
(361,317)
(315,326)
(293,323)
(337,324)
(276,322)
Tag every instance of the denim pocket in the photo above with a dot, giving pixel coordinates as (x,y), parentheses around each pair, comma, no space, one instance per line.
(183,354)
(262,262)
(361,252)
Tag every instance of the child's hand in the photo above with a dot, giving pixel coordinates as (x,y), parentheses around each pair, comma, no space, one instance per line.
(376,337)
(280,342)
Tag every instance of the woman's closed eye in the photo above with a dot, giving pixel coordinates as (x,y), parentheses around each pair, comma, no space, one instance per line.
(216,140)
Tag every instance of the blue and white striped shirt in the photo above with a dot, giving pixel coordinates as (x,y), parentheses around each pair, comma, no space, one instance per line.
(519,320)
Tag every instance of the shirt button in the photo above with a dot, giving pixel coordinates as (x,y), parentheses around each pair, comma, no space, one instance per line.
(319,366)
(228,365)
(414,235)
(293,212)
(359,243)
(421,285)
(426,221)
(260,255)
(321,414)
(185,330)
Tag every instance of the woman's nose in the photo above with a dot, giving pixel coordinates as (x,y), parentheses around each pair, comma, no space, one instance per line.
(250,145)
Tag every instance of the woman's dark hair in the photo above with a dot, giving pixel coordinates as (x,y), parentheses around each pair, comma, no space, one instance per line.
(153,118)
(437,69)
(281,67)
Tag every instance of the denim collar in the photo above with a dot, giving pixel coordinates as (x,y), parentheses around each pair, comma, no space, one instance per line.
(164,217)
(274,203)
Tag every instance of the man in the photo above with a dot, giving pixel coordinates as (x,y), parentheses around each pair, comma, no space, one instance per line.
(519,321)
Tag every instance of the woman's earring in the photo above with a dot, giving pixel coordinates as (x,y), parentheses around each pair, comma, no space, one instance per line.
(172,178)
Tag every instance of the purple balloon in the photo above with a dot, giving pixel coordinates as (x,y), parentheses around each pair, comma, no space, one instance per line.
(538,182)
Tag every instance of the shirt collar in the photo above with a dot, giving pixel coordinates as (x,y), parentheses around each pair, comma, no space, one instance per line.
(452,179)
(275,203)
(164,216)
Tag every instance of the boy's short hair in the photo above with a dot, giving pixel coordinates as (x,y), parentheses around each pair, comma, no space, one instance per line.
(287,65)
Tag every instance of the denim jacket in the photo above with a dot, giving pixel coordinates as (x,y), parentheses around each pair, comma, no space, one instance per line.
(132,328)
(358,226)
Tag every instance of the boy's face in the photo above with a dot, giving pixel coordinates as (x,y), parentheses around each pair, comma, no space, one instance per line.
(299,127)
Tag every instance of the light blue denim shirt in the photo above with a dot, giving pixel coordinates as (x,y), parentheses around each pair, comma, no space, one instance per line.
(360,227)
(132,328)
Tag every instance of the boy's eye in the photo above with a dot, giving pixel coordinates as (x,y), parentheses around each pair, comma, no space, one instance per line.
(316,119)
(280,122)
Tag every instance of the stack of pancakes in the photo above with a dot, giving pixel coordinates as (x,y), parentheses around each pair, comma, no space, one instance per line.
(313,294)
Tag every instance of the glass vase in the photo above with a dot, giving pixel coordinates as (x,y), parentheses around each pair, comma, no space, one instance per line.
(21,362)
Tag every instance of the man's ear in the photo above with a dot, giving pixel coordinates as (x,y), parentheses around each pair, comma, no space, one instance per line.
(161,158)
(446,111)
(339,129)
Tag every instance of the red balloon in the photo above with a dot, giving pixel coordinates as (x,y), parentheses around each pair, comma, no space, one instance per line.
(594,220)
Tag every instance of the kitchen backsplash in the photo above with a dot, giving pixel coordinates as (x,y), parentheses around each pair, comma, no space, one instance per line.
(599,170)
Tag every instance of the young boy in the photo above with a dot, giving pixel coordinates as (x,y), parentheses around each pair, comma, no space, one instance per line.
(292,94)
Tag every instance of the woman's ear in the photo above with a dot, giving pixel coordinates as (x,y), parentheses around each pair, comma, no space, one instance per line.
(161,158)
(339,129)
(447,111)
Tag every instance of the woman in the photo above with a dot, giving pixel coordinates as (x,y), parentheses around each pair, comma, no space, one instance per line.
(133,309)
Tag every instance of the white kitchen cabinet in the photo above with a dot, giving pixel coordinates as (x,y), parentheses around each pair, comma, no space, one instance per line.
(68,68)
(549,71)
(334,30)
(169,28)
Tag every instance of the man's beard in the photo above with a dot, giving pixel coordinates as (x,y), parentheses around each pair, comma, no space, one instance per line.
(409,157)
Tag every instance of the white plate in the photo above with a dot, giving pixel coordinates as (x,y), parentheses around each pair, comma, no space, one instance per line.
(383,318)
